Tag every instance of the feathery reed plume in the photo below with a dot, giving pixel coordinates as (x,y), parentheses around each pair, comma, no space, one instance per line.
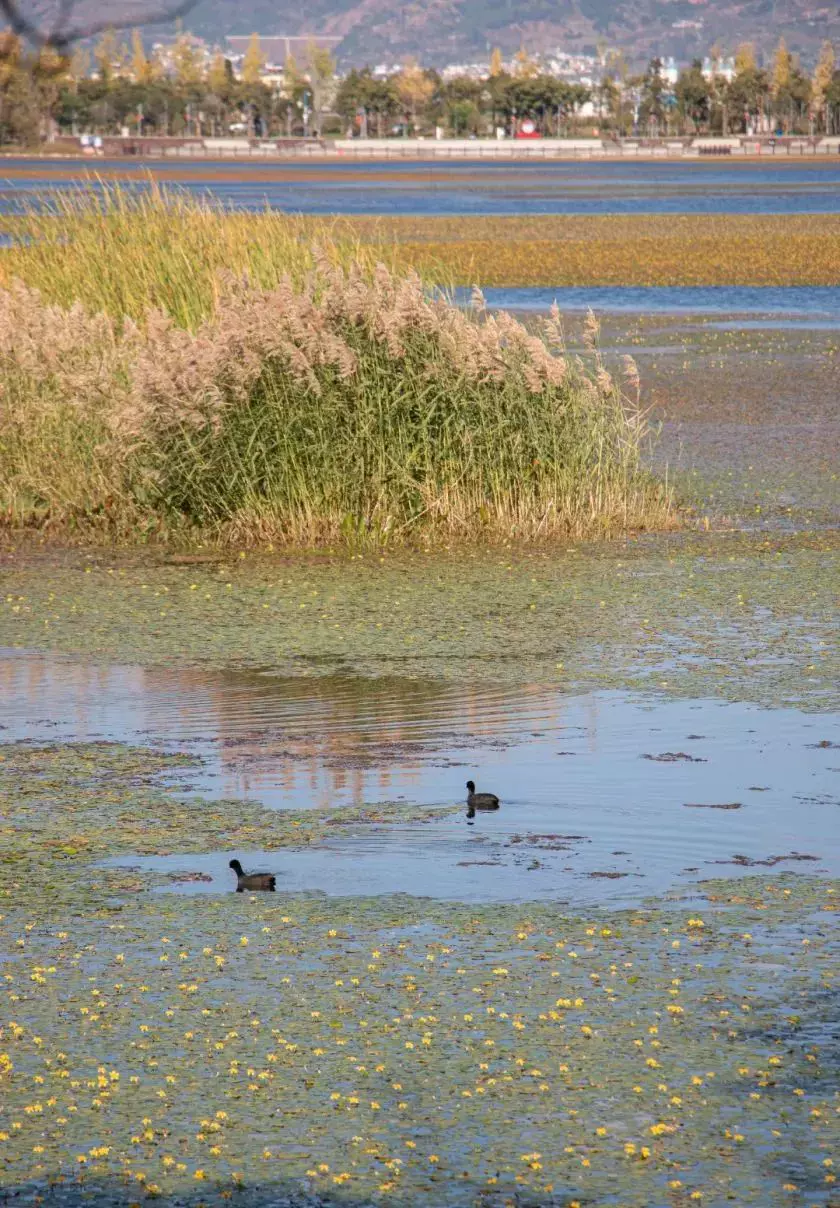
(335,400)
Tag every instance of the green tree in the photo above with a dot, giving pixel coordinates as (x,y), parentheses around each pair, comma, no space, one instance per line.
(693,95)
(608,97)
(544,99)
(460,99)
(832,105)
(652,102)
(360,95)
(747,96)
(19,116)
(618,91)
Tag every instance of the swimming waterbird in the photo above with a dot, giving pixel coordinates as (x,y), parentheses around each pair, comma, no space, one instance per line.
(479,801)
(252,880)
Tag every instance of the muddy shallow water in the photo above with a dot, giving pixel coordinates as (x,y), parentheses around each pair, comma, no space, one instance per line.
(605,797)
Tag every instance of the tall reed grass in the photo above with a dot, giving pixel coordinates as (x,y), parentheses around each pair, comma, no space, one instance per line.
(167,368)
(126,251)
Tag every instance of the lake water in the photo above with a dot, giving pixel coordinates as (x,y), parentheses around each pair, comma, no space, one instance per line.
(816,307)
(463,188)
(605,797)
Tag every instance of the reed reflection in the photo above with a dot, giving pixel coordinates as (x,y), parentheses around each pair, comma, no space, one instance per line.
(348,738)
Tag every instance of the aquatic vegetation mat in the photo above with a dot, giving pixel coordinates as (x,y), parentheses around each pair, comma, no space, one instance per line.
(733,616)
(266,1048)
(750,412)
(521,250)
(576,250)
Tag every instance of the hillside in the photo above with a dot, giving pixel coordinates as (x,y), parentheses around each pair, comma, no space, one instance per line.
(440,31)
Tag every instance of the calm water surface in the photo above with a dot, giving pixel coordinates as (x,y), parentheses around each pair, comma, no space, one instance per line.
(587,816)
(813,307)
(572,187)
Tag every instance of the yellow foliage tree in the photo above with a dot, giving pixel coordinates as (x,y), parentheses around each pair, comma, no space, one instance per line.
(321,75)
(11,53)
(142,69)
(217,76)
(744,58)
(496,63)
(79,65)
(414,88)
(187,62)
(823,76)
(107,54)
(782,64)
(524,67)
(254,61)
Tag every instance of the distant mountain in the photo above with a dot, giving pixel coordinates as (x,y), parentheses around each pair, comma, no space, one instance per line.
(445,31)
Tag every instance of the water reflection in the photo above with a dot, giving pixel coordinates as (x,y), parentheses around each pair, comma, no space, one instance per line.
(292,743)
(584,814)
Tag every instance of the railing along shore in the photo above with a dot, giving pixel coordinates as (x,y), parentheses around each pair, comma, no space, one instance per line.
(468,149)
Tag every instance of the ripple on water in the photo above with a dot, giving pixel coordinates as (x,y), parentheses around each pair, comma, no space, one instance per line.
(585,816)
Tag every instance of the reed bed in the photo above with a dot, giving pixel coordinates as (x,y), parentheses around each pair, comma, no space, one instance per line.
(193,379)
(126,251)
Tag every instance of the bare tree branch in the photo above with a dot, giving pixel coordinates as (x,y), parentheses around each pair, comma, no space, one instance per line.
(61,33)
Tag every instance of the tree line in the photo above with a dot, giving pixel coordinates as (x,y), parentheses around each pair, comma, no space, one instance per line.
(118,86)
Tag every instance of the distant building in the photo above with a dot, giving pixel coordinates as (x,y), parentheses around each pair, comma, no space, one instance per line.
(723,68)
(670,71)
(277,48)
